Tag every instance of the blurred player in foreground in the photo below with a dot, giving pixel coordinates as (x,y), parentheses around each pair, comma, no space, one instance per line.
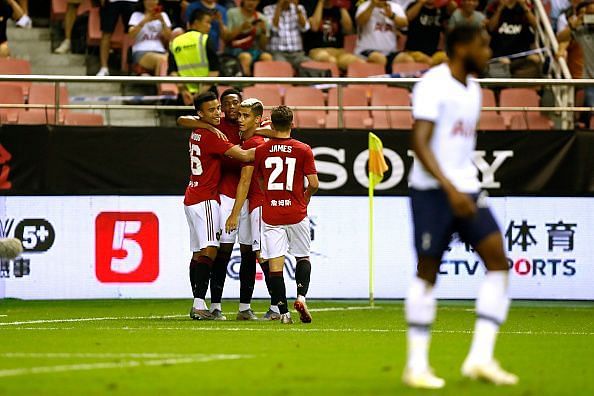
(250,119)
(202,198)
(446,198)
(281,164)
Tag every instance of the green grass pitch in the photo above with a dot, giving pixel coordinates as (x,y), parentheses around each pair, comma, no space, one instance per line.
(129,347)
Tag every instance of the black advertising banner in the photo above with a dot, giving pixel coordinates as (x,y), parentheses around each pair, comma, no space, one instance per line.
(154,161)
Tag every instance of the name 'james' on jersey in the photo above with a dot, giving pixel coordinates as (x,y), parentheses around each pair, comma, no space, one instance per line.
(283,164)
(454,108)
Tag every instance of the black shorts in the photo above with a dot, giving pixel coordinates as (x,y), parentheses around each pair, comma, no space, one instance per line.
(435,223)
(390,57)
(112,11)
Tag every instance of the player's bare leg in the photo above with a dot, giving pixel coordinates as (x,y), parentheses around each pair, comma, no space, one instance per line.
(492,305)
(302,276)
(247,282)
(200,268)
(278,289)
(217,279)
(420,307)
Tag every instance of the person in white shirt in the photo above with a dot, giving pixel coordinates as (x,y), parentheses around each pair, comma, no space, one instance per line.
(149,28)
(110,12)
(445,198)
(378,22)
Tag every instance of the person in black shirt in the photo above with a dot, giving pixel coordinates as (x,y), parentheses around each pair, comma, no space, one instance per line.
(8,9)
(426,22)
(325,40)
(511,24)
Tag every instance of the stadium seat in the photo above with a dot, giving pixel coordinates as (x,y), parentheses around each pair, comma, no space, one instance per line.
(517,97)
(491,121)
(488,98)
(412,69)
(323,66)
(360,69)
(10,94)
(83,119)
(32,117)
(273,69)
(538,122)
(391,119)
(166,88)
(306,96)
(354,119)
(349,43)
(16,66)
(45,94)
(269,95)
(518,122)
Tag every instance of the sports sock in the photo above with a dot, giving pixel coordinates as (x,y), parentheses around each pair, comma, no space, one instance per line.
(247,277)
(302,275)
(193,274)
(274,308)
(218,275)
(420,313)
(202,276)
(278,291)
(215,306)
(200,304)
(244,307)
(266,271)
(492,305)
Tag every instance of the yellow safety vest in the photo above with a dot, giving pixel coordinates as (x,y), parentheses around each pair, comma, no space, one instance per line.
(189,51)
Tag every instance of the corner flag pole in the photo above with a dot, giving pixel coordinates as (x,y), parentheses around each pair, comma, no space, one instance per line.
(377,168)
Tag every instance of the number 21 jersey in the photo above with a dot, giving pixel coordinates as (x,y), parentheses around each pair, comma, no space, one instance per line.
(283,164)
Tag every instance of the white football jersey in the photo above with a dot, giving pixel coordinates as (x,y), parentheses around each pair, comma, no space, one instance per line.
(454,108)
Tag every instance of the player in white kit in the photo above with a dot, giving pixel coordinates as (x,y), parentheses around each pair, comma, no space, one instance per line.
(446,199)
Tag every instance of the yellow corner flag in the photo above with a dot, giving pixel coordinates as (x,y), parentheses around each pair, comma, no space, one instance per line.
(377,167)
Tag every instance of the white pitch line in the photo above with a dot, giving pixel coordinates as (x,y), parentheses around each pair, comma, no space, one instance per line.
(114,365)
(93,355)
(107,318)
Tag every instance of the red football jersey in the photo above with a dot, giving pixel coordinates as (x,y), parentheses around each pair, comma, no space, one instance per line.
(255,195)
(282,164)
(230,168)
(206,151)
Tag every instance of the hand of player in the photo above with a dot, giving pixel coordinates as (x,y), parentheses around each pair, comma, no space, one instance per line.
(231,224)
(462,204)
(217,132)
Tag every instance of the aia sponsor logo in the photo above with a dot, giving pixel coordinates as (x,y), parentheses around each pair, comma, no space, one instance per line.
(127,247)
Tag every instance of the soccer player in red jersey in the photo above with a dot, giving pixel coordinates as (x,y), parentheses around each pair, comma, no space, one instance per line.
(282,164)
(202,198)
(250,119)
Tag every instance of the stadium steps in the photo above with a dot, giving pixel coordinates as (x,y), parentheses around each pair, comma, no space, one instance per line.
(34,45)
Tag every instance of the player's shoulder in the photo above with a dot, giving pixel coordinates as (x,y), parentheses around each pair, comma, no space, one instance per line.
(300,145)
(437,74)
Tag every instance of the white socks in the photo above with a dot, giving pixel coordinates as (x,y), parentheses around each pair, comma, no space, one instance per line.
(200,304)
(215,306)
(492,305)
(274,308)
(244,307)
(420,308)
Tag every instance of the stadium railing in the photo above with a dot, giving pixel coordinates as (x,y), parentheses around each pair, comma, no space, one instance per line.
(563,88)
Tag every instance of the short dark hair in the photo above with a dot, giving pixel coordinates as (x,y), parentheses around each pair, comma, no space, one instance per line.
(197,15)
(231,91)
(282,118)
(203,98)
(255,106)
(462,34)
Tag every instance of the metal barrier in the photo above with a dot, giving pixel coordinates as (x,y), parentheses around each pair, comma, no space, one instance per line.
(563,89)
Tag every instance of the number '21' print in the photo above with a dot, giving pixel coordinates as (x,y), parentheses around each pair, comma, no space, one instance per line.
(278,166)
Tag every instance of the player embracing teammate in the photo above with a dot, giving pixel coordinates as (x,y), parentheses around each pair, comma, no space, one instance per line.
(281,165)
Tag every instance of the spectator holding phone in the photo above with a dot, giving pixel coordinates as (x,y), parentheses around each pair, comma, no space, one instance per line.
(330,22)
(149,27)
(248,35)
(378,22)
(8,9)
(111,11)
(218,31)
(288,21)
(426,22)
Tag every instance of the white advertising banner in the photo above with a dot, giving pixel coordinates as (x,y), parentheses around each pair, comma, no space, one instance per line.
(138,247)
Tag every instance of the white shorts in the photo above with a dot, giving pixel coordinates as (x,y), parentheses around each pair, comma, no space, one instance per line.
(204,222)
(256,228)
(294,239)
(244,231)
